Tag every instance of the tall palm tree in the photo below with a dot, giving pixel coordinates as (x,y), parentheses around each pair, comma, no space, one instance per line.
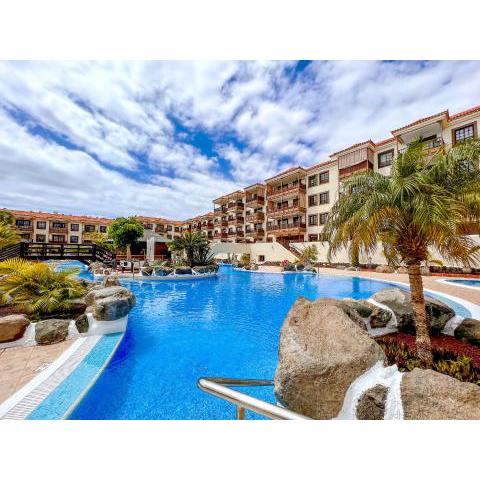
(429,202)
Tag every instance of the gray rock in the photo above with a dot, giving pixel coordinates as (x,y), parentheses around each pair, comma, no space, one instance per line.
(469,330)
(81,322)
(429,395)
(322,351)
(183,271)
(113,307)
(371,405)
(97,294)
(51,331)
(400,302)
(111,281)
(12,327)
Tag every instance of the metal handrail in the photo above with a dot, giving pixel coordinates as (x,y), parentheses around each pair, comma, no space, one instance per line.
(218,387)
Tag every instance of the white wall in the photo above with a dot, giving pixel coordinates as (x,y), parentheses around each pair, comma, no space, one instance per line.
(272,251)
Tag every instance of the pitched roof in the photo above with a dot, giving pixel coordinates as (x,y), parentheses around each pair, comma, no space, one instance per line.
(421,120)
(465,112)
(56,216)
(288,170)
(356,145)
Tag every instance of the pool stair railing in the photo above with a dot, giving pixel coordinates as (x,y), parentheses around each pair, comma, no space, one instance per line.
(220,387)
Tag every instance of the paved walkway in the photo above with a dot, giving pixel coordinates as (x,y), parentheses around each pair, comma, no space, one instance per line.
(18,365)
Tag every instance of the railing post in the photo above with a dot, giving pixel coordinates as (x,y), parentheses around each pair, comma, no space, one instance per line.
(240,413)
(62,250)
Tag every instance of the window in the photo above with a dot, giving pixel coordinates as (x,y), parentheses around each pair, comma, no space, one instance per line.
(89,228)
(74,227)
(324,198)
(385,158)
(312,200)
(40,238)
(22,223)
(313,238)
(58,238)
(312,220)
(261,258)
(41,226)
(324,177)
(323,218)
(313,181)
(58,225)
(73,239)
(103,229)
(464,133)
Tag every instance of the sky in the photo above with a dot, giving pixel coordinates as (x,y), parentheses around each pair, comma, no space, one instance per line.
(163,138)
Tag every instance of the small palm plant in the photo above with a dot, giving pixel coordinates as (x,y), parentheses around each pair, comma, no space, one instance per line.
(309,255)
(37,287)
(427,203)
(195,247)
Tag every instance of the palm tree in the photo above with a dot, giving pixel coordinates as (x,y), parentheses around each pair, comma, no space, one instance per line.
(309,255)
(429,202)
(8,235)
(38,287)
(193,245)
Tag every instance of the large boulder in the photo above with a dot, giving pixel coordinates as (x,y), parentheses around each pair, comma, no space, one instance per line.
(51,331)
(469,330)
(384,269)
(371,405)
(400,302)
(111,303)
(12,327)
(99,293)
(322,351)
(429,395)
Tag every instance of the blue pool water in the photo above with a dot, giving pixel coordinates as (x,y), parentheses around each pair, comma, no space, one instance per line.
(182,330)
(468,283)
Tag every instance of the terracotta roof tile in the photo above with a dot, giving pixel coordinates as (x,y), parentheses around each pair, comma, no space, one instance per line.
(356,145)
(288,170)
(465,112)
(420,120)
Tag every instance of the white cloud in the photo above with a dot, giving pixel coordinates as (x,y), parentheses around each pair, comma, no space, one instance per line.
(127,156)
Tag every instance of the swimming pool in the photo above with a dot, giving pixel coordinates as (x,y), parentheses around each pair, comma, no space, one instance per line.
(464,282)
(179,331)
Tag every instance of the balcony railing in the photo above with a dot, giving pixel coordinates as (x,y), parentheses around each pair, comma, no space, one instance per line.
(235,207)
(222,209)
(255,231)
(219,235)
(24,228)
(279,191)
(287,210)
(255,201)
(287,226)
(236,220)
(255,217)
(428,145)
(58,230)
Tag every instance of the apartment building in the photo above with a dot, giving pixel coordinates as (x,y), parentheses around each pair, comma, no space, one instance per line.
(299,200)
(229,217)
(161,226)
(287,206)
(41,227)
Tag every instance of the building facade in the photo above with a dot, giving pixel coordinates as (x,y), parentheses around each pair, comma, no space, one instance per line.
(292,206)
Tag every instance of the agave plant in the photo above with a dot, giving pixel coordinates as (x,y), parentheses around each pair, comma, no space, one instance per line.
(39,288)
(427,203)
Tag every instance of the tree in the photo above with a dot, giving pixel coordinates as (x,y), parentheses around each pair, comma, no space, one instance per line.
(125,232)
(37,287)
(309,255)
(99,238)
(8,235)
(7,218)
(194,246)
(428,202)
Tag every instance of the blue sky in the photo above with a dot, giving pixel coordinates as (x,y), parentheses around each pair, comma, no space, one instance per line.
(165,138)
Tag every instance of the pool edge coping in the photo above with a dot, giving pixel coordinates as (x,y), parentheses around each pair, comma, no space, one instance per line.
(452,282)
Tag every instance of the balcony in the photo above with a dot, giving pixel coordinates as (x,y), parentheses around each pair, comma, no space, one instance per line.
(235,207)
(430,145)
(278,192)
(160,230)
(276,212)
(359,167)
(255,201)
(59,230)
(255,233)
(255,217)
(293,228)
(236,234)
(219,235)
(221,209)
(235,220)
(24,228)
(207,226)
